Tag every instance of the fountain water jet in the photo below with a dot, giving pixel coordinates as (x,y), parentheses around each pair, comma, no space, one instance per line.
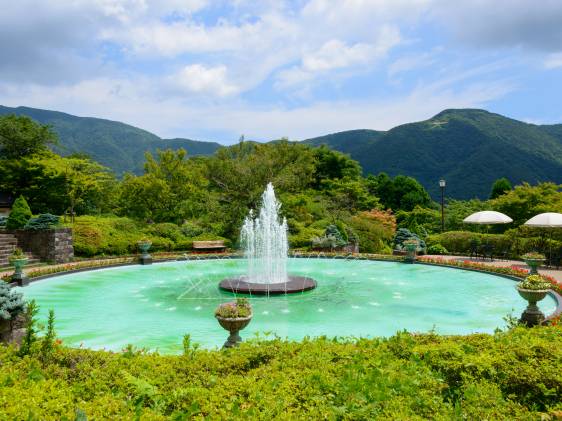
(266,248)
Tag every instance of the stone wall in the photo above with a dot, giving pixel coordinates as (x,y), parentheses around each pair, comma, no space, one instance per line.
(54,245)
(13,331)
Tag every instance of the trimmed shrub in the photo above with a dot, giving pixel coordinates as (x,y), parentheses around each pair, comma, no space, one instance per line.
(404,234)
(512,375)
(436,249)
(11,302)
(459,242)
(44,221)
(20,214)
(303,238)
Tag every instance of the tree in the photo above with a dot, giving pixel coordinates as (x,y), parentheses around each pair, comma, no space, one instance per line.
(20,214)
(20,136)
(239,174)
(172,189)
(457,210)
(501,186)
(398,193)
(526,201)
(332,165)
(374,229)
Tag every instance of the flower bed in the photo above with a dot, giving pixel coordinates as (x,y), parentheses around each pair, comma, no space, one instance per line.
(502,270)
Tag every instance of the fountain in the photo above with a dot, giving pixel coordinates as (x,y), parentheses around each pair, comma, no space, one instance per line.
(264,239)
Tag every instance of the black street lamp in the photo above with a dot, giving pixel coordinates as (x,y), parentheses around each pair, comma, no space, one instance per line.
(442,184)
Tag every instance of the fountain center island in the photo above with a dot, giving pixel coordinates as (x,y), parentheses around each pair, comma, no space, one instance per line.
(266,249)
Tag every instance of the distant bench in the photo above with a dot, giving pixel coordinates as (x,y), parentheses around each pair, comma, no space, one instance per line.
(215,246)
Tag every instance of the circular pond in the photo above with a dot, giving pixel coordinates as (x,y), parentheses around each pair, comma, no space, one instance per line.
(154,306)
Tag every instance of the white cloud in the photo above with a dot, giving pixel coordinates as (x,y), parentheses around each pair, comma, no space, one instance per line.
(138,102)
(553,61)
(199,79)
(170,64)
(336,54)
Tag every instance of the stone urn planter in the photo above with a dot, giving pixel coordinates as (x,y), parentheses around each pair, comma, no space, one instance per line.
(19,262)
(534,261)
(233,317)
(532,316)
(144,246)
(533,289)
(411,247)
(234,325)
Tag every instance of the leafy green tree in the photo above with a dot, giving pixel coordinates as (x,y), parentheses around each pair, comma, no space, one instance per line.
(55,184)
(173,188)
(86,184)
(420,220)
(457,210)
(331,165)
(20,214)
(526,201)
(501,186)
(239,174)
(398,193)
(348,195)
(20,136)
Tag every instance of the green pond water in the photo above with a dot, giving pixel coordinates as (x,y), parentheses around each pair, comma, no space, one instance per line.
(154,306)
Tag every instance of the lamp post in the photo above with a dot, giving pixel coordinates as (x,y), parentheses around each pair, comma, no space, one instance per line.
(442,184)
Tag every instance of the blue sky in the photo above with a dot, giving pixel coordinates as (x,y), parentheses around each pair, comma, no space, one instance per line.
(213,70)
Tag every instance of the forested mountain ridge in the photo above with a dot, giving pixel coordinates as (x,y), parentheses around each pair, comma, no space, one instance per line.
(116,145)
(470,148)
(467,147)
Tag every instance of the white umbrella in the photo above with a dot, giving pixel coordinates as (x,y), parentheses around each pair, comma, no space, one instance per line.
(487,217)
(546,220)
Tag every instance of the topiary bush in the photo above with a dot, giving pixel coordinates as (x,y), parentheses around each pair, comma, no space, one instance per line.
(404,234)
(437,249)
(44,221)
(20,214)
(11,302)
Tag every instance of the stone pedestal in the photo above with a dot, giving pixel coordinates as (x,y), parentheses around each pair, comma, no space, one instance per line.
(410,253)
(145,259)
(532,316)
(534,264)
(21,279)
(234,326)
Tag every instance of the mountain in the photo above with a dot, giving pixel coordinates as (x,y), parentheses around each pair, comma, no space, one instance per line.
(469,148)
(114,144)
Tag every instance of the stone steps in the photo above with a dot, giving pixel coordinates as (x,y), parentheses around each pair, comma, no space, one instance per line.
(8,242)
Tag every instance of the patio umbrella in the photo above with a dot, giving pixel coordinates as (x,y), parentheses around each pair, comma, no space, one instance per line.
(546,220)
(487,218)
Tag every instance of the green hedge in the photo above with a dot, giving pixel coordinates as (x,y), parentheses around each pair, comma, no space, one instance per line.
(459,242)
(513,375)
(110,235)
